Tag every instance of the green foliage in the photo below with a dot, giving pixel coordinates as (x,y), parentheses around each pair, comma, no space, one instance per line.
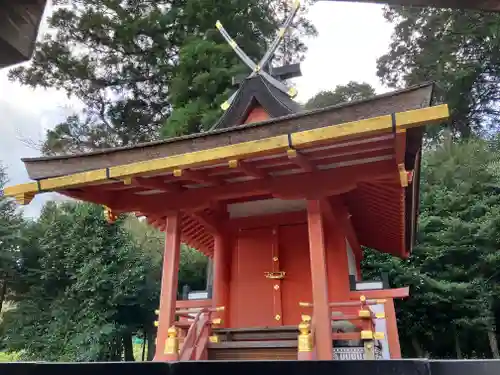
(193,264)
(10,226)
(452,270)
(202,79)
(353,91)
(132,62)
(457,49)
(82,288)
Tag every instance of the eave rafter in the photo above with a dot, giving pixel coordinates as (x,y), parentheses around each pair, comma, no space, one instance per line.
(154,183)
(309,185)
(247,168)
(301,160)
(72,184)
(198,176)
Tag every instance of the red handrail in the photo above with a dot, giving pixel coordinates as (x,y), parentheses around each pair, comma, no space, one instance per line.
(193,346)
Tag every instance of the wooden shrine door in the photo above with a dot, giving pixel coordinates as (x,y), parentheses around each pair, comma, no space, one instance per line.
(270,276)
(255,300)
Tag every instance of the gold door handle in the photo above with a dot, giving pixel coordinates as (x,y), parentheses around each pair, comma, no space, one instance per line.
(275,275)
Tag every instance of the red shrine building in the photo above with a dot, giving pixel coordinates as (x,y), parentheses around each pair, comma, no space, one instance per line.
(283,200)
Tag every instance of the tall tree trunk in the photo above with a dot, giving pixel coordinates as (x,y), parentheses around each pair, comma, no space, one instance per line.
(128,347)
(458,349)
(3,293)
(144,341)
(493,344)
(418,349)
(151,345)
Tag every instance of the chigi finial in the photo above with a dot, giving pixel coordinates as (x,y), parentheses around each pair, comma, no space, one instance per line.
(274,76)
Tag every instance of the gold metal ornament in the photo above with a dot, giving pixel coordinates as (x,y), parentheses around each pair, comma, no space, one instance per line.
(172,342)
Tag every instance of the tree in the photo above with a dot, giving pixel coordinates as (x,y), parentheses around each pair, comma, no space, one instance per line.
(459,50)
(10,226)
(120,59)
(83,288)
(453,285)
(202,80)
(193,264)
(353,91)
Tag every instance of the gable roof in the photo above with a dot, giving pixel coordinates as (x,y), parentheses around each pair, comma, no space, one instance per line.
(253,92)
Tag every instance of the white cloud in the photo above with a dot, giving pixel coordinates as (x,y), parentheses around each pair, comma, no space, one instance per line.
(351,37)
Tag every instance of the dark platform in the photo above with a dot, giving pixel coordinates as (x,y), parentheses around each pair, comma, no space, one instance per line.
(403,367)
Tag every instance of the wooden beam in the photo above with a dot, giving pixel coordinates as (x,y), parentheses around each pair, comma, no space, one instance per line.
(247,168)
(221,280)
(381,294)
(343,216)
(378,125)
(301,160)
(156,183)
(319,278)
(210,223)
(169,281)
(198,176)
(326,181)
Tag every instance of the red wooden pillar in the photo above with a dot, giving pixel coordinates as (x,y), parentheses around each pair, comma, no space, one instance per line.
(169,281)
(392,329)
(321,310)
(220,295)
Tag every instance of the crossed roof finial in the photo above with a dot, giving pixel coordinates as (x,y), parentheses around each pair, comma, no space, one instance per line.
(259,68)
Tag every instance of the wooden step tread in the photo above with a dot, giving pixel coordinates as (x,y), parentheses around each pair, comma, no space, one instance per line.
(257,329)
(253,344)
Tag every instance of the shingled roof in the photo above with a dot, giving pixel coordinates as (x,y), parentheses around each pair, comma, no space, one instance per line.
(256,91)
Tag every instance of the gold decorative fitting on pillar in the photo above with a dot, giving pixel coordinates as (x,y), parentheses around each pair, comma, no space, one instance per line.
(364,313)
(220,308)
(305,304)
(127,181)
(172,342)
(216,321)
(380,315)
(305,343)
(366,335)
(275,259)
(369,350)
(177,172)
(362,299)
(381,301)
(109,215)
(214,339)
(233,163)
(156,323)
(277,317)
(276,287)
(403,175)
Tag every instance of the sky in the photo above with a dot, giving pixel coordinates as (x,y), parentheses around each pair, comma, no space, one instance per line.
(351,37)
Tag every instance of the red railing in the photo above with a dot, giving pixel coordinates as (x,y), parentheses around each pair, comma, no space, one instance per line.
(194,332)
(358,313)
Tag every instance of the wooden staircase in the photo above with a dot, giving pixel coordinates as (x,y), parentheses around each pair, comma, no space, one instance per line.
(265,343)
